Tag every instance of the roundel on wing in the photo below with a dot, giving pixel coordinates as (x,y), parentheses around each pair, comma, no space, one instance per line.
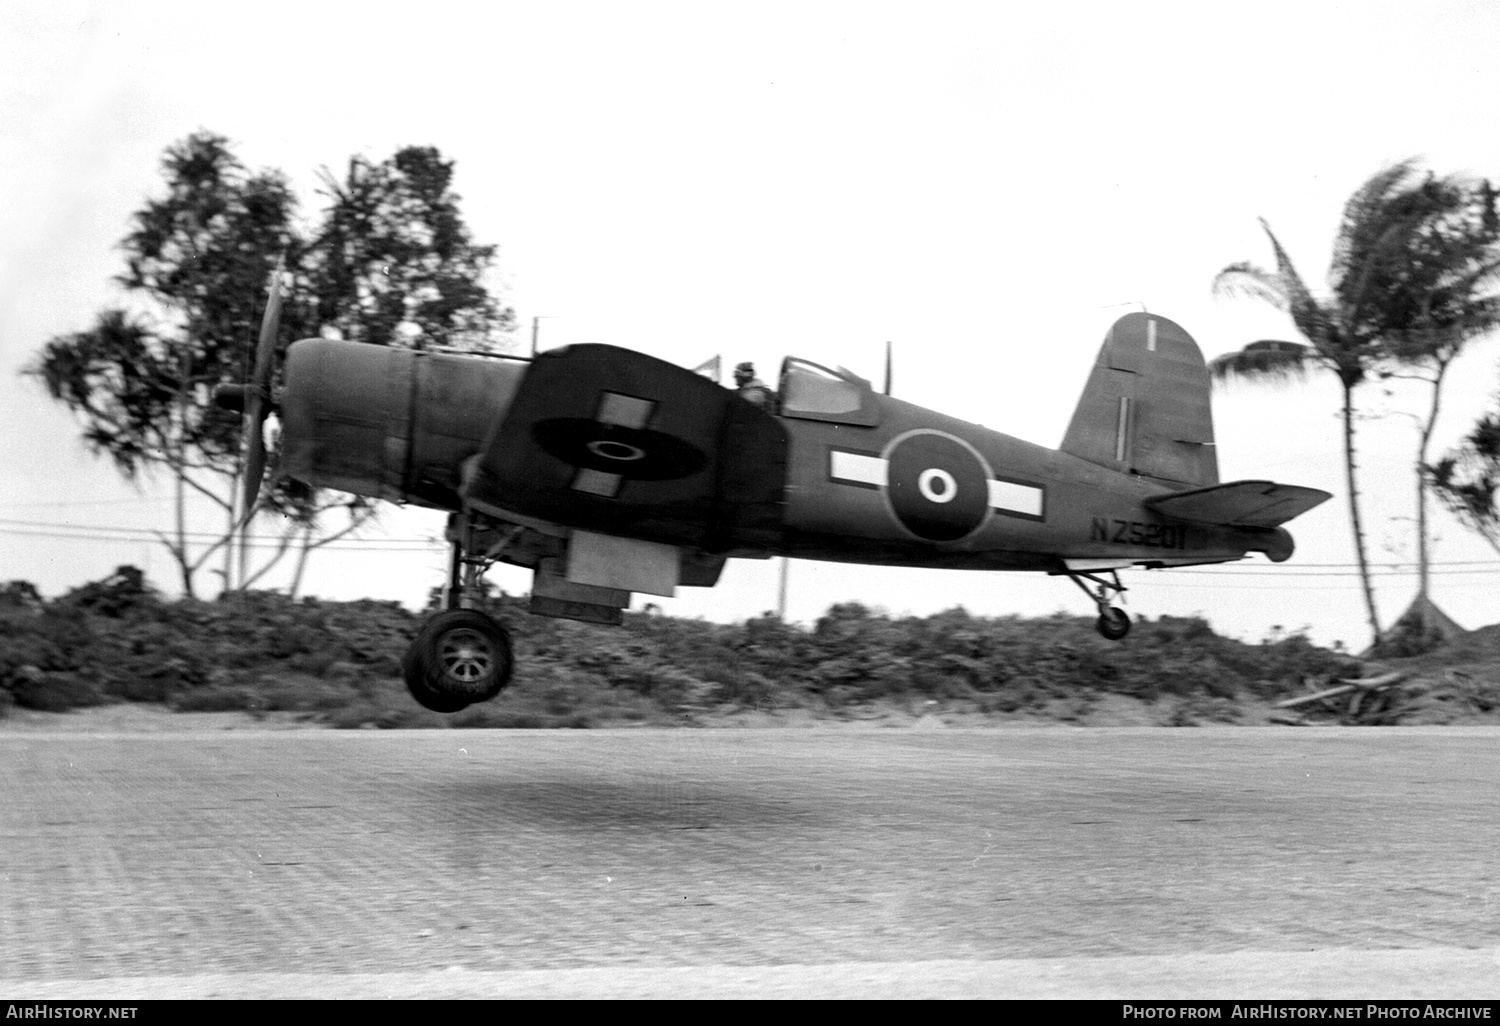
(638,453)
(938,486)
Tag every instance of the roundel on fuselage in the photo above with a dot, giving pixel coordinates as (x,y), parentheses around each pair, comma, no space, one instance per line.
(937,485)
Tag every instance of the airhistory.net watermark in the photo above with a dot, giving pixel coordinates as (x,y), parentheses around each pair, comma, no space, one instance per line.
(1306,1010)
(41,1010)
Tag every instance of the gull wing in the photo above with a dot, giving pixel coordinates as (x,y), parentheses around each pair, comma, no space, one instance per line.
(614,441)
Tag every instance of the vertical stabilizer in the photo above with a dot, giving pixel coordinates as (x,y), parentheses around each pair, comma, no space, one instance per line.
(1145,409)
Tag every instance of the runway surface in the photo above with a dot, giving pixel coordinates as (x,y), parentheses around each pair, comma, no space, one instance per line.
(1144,863)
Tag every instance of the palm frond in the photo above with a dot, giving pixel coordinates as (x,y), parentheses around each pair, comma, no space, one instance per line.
(1318,325)
(1404,244)
(1448,290)
(1388,204)
(1467,479)
(1269,360)
(1246,280)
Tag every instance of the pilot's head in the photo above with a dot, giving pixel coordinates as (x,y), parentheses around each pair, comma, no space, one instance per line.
(744,373)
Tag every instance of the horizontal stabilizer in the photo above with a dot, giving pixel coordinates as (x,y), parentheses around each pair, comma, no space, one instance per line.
(1239,504)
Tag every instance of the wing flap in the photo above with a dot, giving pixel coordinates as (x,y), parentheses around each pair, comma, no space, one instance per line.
(1264,504)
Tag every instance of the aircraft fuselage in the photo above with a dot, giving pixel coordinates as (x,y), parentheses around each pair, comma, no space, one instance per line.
(907,486)
(858,494)
(610,473)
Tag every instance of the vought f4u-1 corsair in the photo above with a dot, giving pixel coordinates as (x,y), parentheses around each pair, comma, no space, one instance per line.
(608,472)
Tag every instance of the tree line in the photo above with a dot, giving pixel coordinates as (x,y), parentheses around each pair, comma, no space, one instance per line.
(117,640)
(388,259)
(1414,278)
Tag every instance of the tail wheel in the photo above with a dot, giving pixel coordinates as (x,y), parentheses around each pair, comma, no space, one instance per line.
(1113,623)
(460,656)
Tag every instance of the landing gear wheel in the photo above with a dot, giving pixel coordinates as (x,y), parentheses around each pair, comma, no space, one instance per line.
(460,656)
(1113,623)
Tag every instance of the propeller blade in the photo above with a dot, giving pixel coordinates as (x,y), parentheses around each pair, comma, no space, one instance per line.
(265,349)
(257,398)
(255,469)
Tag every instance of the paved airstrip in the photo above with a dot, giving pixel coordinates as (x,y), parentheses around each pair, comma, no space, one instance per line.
(1027,862)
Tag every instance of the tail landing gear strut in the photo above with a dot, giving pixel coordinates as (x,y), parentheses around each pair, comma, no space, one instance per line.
(1112,622)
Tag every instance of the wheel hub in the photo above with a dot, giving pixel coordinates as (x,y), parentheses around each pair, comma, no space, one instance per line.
(466,657)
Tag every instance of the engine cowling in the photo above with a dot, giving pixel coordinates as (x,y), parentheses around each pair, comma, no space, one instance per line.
(393,424)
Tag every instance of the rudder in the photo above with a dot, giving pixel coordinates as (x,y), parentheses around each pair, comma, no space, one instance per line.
(1145,409)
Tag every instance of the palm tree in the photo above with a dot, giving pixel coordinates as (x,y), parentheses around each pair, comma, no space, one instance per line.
(1450,296)
(1349,331)
(1467,479)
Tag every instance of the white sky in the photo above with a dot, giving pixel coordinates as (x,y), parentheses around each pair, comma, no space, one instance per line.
(985,184)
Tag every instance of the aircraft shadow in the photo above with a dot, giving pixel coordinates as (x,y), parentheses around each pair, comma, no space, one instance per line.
(593,802)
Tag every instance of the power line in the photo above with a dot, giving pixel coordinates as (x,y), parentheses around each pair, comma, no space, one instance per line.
(1387,570)
(86,502)
(432,547)
(108,532)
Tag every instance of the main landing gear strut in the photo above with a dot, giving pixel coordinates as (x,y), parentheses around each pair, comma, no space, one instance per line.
(1112,622)
(461,655)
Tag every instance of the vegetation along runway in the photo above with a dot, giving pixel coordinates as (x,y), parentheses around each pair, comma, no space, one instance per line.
(1024,862)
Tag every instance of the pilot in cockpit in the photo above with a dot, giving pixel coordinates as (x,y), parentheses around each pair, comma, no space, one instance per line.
(752,388)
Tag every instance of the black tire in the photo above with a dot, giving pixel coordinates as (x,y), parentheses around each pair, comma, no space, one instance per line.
(429,699)
(1113,623)
(459,657)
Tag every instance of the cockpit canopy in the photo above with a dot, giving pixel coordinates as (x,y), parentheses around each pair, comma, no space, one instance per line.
(811,392)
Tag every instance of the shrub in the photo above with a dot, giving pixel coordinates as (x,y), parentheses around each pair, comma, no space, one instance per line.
(115,639)
(53,692)
(120,592)
(20,595)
